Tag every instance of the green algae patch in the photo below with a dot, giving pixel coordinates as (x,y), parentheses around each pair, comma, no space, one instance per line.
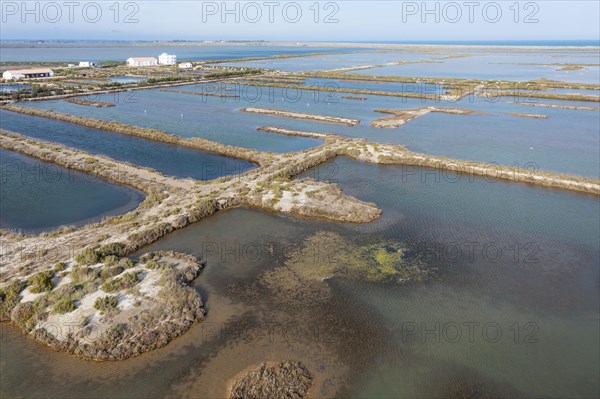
(326,254)
(300,281)
(391,261)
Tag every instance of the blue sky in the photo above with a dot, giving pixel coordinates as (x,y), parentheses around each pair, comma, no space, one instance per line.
(295,21)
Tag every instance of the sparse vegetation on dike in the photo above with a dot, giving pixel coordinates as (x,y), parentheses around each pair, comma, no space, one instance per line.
(324,88)
(81,101)
(130,320)
(147,133)
(41,282)
(524,94)
(106,304)
(128,280)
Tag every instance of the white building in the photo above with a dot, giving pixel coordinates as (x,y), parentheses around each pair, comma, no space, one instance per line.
(28,73)
(141,61)
(167,59)
(86,64)
(185,65)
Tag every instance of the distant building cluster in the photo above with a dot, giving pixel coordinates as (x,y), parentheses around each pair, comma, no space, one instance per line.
(141,61)
(163,59)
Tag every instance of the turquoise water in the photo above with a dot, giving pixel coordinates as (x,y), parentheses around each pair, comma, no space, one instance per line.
(165,158)
(95,53)
(37,196)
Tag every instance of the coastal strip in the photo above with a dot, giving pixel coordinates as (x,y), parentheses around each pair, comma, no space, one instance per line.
(147,133)
(576,107)
(401,116)
(288,132)
(522,94)
(526,115)
(81,101)
(399,155)
(451,95)
(304,116)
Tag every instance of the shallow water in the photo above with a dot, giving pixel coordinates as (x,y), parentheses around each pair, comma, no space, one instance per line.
(419,88)
(333,61)
(127,79)
(81,51)
(516,67)
(492,137)
(535,260)
(184,115)
(172,160)
(465,63)
(9,88)
(38,196)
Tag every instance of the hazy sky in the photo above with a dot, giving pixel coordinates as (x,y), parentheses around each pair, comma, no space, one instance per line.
(299,20)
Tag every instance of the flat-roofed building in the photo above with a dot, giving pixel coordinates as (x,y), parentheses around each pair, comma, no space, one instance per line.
(167,59)
(141,61)
(27,73)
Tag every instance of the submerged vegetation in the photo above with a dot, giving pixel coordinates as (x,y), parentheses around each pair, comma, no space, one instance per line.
(301,281)
(144,304)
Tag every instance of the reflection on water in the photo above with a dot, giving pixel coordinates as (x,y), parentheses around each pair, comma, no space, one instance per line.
(38,196)
(493,136)
(517,267)
(165,158)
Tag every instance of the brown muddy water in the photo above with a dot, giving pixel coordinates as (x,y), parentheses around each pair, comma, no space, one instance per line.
(508,307)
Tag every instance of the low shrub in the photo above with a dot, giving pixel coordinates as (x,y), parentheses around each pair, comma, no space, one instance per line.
(41,282)
(114,248)
(126,263)
(88,256)
(9,298)
(106,304)
(83,274)
(64,306)
(110,260)
(112,271)
(60,266)
(117,284)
